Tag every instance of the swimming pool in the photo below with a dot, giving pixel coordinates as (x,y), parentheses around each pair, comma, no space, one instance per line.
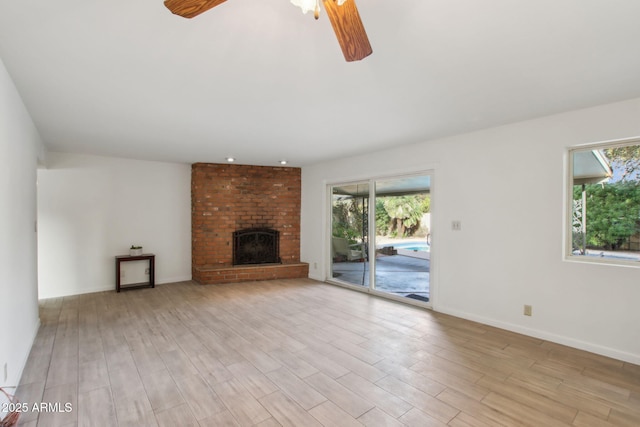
(411,246)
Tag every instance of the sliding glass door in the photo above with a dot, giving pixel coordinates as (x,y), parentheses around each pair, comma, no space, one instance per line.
(349,233)
(403,236)
(381,235)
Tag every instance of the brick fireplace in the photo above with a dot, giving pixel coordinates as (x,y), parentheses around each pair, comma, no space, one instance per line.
(227,198)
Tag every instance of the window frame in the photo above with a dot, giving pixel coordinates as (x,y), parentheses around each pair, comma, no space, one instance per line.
(568,198)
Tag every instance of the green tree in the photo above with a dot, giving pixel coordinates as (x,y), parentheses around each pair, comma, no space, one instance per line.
(626,158)
(425,205)
(405,213)
(348,218)
(613,213)
(383,220)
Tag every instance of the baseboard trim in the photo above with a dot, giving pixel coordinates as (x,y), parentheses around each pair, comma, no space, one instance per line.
(544,335)
(173,280)
(318,277)
(26,357)
(73,292)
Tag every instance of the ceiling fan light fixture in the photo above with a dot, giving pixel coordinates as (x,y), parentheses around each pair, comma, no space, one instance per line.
(312,5)
(343,15)
(306,5)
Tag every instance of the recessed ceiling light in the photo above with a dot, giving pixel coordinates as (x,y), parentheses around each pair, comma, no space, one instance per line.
(283,162)
(230,159)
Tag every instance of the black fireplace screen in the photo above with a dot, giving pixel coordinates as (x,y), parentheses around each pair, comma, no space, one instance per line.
(256,246)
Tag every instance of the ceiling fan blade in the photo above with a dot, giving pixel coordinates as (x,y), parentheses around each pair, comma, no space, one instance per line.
(349,30)
(191,8)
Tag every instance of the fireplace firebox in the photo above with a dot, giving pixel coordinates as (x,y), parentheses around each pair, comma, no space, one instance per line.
(256,246)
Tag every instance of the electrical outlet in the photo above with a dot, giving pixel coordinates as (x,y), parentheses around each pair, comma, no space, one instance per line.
(315,265)
(456,225)
(527,310)
(6,372)
(146,271)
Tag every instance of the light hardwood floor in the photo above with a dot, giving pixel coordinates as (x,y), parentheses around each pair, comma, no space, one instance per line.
(303,353)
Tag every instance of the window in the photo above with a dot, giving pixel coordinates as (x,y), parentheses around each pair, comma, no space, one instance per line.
(604,203)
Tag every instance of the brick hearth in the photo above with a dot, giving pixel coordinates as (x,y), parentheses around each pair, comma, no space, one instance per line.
(226,198)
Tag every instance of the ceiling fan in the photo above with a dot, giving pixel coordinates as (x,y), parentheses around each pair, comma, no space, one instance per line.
(343,15)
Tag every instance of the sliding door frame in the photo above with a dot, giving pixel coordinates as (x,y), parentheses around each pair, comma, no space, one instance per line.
(370,287)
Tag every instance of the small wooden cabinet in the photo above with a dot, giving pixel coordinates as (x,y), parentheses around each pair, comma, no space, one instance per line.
(152,264)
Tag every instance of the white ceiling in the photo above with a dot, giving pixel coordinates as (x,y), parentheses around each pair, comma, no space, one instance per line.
(258,80)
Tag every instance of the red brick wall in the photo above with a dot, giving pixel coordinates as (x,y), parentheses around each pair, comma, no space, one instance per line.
(226,198)
(208,276)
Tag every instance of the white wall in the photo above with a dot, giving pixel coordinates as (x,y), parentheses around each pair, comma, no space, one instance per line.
(20,146)
(506,185)
(92,208)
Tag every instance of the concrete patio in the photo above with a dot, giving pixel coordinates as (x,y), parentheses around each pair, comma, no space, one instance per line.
(397,274)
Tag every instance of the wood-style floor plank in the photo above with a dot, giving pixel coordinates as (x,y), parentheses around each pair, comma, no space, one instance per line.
(417,418)
(330,415)
(388,402)
(287,412)
(223,419)
(93,374)
(257,383)
(432,406)
(162,390)
(521,412)
(53,408)
(177,416)
(244,407)
(522,395)
(299,391)
(96,408)
(344,398)
(376,417)
(204,403)
(302,353)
